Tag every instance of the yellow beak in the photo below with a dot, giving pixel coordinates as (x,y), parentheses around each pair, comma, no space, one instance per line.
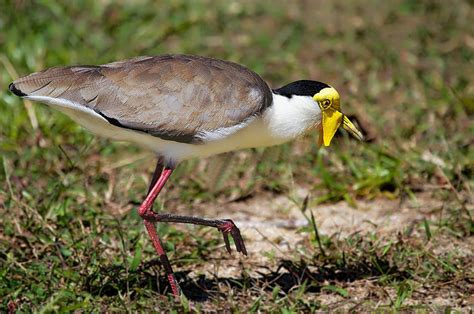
(332,120)
(348,126)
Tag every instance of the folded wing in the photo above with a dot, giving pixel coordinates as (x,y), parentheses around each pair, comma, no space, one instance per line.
(174,97)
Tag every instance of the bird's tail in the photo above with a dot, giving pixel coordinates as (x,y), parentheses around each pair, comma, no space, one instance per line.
(52,82)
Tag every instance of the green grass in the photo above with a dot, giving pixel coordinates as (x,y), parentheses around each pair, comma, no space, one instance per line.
(70,237)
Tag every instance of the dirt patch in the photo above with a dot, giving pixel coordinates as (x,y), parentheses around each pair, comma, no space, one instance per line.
(273,228)
(273,221)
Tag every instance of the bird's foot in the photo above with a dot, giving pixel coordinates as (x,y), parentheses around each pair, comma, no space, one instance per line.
(228,226)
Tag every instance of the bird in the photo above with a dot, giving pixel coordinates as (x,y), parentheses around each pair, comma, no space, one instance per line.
(182,107)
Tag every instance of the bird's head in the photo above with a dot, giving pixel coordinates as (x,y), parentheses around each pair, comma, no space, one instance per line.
(328,100)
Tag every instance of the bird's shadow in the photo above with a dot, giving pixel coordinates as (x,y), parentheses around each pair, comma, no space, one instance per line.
(113,280)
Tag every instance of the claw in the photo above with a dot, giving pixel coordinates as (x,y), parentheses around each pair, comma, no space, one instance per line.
(239,241)
(229,227)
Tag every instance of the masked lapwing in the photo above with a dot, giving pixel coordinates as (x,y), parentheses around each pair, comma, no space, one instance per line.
(182,107)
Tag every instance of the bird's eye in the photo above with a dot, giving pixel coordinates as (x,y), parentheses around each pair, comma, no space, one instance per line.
(326,103)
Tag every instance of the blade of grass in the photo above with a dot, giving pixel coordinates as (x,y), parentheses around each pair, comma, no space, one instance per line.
(316,234)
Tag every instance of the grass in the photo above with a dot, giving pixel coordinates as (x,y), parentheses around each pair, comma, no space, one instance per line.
(70,237)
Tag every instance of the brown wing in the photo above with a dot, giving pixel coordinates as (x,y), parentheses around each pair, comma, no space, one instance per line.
(174,97)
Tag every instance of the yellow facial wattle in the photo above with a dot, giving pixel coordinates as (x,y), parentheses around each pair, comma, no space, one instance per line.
(332,119)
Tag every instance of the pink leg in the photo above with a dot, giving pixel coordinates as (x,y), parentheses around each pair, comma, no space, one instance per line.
(144,210)
(226,226)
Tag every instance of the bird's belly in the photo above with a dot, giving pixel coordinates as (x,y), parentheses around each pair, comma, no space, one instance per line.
(253,135)
(256,134)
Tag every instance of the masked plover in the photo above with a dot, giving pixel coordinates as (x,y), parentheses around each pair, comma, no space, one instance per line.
(181,107)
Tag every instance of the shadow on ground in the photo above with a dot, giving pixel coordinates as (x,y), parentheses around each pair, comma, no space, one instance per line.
(287,275)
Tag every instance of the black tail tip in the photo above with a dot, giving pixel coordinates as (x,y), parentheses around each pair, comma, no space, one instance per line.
(15,90)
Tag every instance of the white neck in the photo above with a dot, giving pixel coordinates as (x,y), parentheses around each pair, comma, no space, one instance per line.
(289,118)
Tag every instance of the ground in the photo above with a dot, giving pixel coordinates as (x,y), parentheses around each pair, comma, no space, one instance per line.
(382,225)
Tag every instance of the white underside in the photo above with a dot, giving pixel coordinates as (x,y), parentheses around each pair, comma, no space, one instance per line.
(285,120)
